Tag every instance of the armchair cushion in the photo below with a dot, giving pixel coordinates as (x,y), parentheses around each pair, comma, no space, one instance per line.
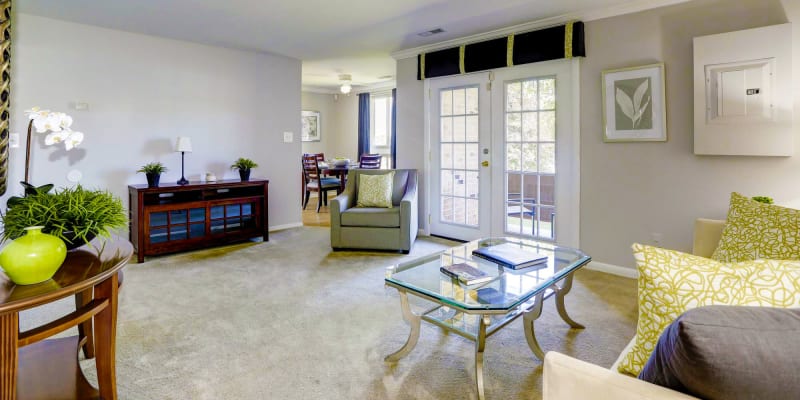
(724,352)
(671,282)
(375,217)
(375,190)
(756,230)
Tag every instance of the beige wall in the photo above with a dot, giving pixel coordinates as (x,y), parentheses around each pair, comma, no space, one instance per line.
(143,92)
(339,118)
(631,190)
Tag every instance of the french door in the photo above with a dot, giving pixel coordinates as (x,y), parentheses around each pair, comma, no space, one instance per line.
(527,161)
(459,121)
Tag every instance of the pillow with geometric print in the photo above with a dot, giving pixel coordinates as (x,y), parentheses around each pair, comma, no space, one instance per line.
(375,190)
(671,282)
(755,230)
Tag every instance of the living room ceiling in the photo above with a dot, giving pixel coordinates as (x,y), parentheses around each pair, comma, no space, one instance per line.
(353,37)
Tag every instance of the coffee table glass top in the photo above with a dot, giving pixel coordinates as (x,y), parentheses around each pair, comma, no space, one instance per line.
(508,289)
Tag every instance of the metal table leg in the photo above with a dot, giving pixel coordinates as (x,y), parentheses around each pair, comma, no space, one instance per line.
(527,320)
(480,345)
(413,336)
(562,311)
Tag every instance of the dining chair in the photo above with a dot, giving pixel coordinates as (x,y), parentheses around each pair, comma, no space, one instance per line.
(370,161)
(314,182)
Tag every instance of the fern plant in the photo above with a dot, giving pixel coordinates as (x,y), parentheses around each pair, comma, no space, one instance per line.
(75,215)
(244,164)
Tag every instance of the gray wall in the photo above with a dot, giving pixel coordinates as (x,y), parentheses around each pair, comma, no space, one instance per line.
(339,118)
(143,92)
(631,190)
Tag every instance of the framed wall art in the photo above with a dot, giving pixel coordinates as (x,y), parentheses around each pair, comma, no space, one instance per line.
(634,104)
(311,127)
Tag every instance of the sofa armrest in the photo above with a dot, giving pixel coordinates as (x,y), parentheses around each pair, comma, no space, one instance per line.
(408,212)
(567,378)
(707,233)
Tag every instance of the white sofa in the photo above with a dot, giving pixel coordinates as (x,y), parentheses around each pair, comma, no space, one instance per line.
(567,378)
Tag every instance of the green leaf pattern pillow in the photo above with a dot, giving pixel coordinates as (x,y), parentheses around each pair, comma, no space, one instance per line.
(756,230)
(375,190)
(671,282)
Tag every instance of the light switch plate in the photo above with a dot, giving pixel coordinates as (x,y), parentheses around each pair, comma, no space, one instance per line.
(288,137)
(13,140)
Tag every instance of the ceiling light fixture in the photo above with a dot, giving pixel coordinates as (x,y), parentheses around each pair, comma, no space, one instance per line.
(431,32)
(346,79)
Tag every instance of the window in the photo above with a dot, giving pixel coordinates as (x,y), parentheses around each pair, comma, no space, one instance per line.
(381,127)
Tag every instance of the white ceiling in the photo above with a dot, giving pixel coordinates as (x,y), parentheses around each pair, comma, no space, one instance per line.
(331,37)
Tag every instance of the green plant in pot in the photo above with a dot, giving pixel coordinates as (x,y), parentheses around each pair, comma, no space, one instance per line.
(244,165)
(153,172)
(74,215)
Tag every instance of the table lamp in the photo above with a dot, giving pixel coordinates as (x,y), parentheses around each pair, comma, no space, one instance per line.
(183,145)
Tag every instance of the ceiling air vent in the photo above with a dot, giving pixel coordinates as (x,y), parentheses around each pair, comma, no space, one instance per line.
(431,32)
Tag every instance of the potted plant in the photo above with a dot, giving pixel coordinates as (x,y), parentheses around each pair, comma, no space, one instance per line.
(244,165)
(75,215)
(153,172)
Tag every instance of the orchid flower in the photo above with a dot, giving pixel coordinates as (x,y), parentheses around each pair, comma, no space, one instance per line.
(58,124)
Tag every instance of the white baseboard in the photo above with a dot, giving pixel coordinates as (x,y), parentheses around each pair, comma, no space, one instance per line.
(613,269)
(285,226)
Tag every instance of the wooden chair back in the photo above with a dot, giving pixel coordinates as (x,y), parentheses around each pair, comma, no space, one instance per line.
(311,169)
(370,161)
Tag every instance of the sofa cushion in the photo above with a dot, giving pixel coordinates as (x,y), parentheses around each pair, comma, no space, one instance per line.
(374,217)
(671,282)
(724,352)
(375,190)
(756,230)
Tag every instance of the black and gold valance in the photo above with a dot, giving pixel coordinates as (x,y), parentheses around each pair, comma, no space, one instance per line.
(563,41)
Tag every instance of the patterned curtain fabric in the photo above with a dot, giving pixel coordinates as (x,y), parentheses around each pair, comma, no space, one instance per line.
(394,128)
(363,124)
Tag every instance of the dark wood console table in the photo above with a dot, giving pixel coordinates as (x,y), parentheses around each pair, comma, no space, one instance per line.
(33,367)
(173,217)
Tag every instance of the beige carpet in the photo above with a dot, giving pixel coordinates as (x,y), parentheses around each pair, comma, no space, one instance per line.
(289,319)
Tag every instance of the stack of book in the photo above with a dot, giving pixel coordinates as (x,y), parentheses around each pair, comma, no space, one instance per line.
(511,255)
(466,273)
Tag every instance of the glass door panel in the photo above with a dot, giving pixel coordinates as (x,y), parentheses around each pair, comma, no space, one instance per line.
(459,124)
(530,162)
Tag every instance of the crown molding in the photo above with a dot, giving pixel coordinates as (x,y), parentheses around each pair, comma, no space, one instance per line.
(588,15)
(373,87)
(319,90)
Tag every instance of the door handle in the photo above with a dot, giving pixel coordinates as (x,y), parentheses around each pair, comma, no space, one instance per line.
(485,163)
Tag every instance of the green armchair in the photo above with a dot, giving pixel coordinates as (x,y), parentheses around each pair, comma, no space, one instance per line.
(376,228)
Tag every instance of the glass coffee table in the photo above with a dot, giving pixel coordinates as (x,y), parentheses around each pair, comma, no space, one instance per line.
(478,311)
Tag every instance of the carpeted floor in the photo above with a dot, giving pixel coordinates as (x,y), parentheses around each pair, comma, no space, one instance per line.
(289,319)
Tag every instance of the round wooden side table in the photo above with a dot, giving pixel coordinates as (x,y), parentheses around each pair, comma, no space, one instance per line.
(34,367)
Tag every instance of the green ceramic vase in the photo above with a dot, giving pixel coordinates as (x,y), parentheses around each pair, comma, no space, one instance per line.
(34,257)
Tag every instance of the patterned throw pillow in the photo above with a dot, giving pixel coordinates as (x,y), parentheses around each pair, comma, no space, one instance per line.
(671,282)
(375,190)
(756,230)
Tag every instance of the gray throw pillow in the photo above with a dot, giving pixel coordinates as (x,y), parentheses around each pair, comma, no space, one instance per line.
(731,353)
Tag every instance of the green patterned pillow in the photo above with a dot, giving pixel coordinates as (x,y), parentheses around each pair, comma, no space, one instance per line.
(671,282)
(375,190)
(756,230)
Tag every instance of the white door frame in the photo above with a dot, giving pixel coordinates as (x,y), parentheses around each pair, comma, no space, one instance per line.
(568,197)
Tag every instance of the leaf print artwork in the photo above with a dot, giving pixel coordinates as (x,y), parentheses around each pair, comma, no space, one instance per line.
(633,113)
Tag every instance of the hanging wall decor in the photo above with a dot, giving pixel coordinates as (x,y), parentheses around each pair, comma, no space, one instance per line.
(5,88)
(634,108)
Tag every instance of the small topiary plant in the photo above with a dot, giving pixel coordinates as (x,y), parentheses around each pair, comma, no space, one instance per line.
(763,199)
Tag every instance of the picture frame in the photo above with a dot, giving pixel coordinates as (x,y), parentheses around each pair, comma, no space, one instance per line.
(634,104)
(310,129)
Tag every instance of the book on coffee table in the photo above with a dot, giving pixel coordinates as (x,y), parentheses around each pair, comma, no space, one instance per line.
(466,273)
(510,255)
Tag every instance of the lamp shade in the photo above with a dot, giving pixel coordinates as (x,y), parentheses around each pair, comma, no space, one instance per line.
(184,143)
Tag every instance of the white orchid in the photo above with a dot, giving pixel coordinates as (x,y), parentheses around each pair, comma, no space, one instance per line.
(58,124)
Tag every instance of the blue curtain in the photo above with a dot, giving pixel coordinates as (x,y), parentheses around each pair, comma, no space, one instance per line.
(394,128)
(363,124)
